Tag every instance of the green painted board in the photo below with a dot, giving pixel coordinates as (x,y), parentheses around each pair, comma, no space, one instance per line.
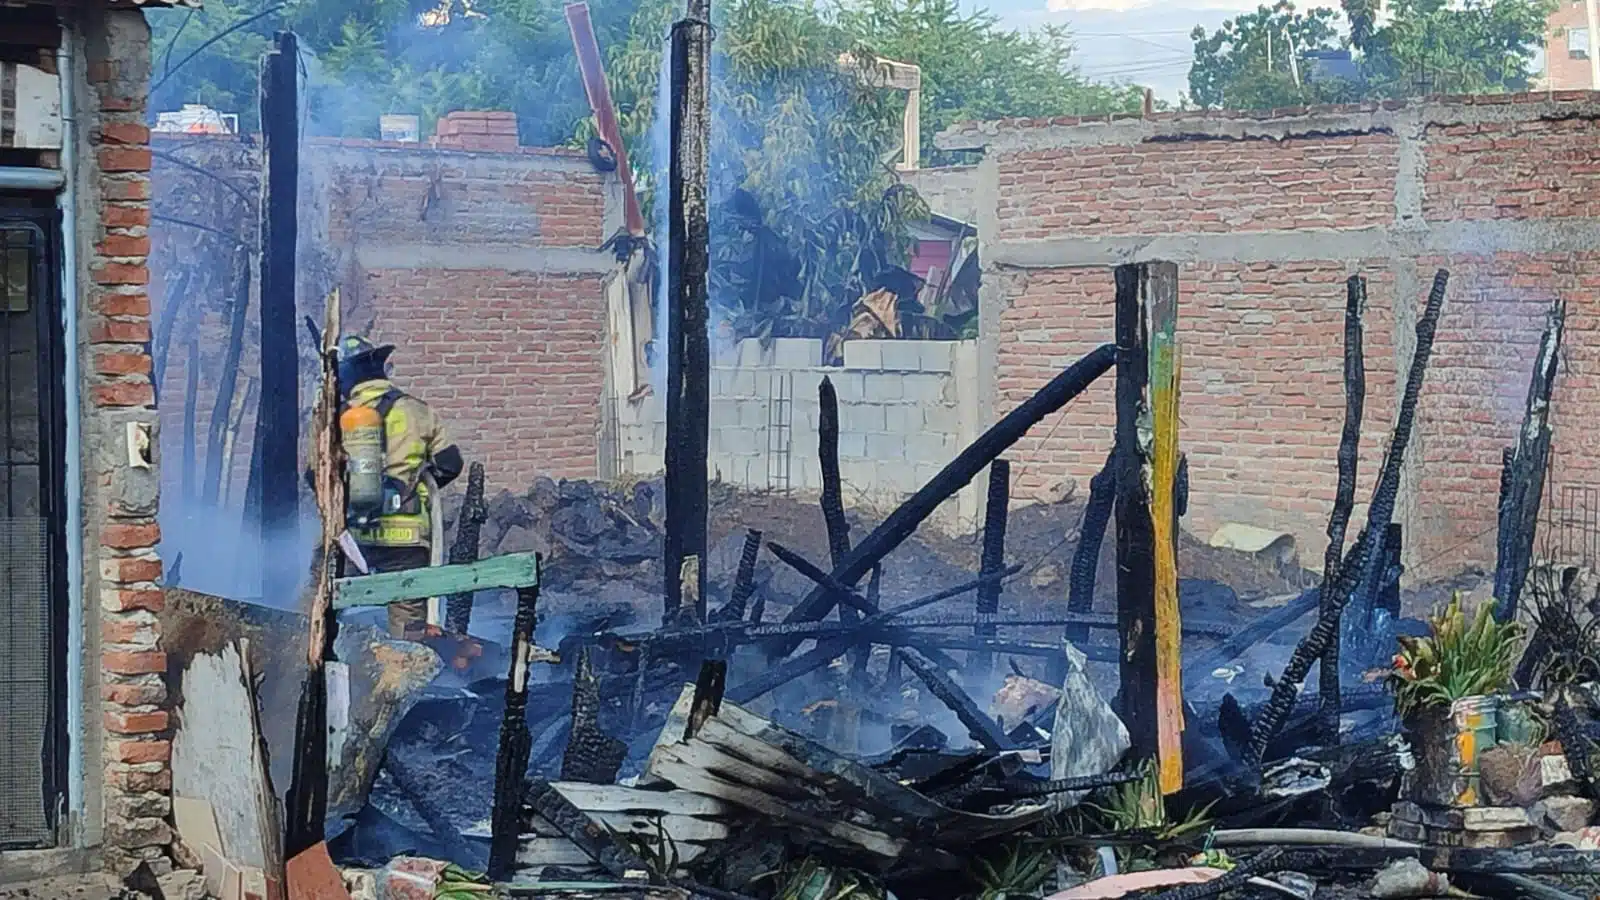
(514,570)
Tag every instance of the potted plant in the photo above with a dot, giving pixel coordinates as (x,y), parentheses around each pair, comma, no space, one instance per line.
(1445,686)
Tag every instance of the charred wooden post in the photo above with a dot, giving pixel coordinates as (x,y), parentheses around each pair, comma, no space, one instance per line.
(469,529)
(709,687)
(172,304)
(1519,513)
(953,477)
(278,422)
(228,377)
(1136,589)
(1365,555)
(1344,500)
(191,439)
(1091,534)
(591,755)
(994,558)
(415,785)
(511,761)
(688,344)
(307,800)
(833,503)
(612,855)
(852,600)
(744,582)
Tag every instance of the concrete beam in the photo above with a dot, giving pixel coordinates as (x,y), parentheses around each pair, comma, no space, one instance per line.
(1483,238)
(549,260)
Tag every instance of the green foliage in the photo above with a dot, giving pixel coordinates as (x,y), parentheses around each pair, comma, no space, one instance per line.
(658,851)
(456,883)
(1019,872)
(1426,46)
(1138,806)
(812,879)
(1458,659)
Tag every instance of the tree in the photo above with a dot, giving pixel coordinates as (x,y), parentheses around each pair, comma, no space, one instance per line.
(1427,46)
(1251,61)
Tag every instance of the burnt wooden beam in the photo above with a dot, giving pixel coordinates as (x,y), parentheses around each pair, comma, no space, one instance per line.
(173,300)
(228,375)
(688,344)
(1344,500)
(511,760)
(1356,574)
(852,600)
(744,581)
(994,558)
(1136,589)
(590,836)
(709,687)
(1235,878)
(984,728)
(1525,860)
(306,804)
(1519,515)
(424,796)
(469,531)
(1091,534)
(278,420)
(905,519)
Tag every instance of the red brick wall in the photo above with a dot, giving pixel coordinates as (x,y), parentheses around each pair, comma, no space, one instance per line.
(1197,186)
(1499,182)
(513,362)
(1562,71)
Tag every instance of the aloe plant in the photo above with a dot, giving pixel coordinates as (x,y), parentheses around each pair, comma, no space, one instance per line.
(1459,658)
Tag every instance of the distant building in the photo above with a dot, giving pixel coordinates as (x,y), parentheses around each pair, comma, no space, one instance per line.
(1566,49)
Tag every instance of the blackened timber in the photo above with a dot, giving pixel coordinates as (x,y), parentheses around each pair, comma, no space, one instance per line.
(1235,878)
(590,836)
(1519,516)
(953,477)
(994,557)
(854,601)
(1091,534)
(228,377)
(1136,597)
(1525,860)
(469,531)
(417,788)
(1344,500)
(307,799)
(278,428)
(744,581)
(511,759)
(688,347)
(828,454)
(709,687)
(905,637)
(592,755)
(983,728)
(1357,574)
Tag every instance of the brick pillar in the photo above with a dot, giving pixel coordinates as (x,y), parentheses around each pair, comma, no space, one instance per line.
(120,500)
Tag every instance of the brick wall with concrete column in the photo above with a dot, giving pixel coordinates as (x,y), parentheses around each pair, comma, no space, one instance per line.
(906,408)
(1266,215)
(120,500)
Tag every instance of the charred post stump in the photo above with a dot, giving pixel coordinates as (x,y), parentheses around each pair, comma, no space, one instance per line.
(1344,500)
(744,581)
(905,519)
(1519,509)
(688,347)
(591,755)
(217,441)
(833,509)
(278,428)
(511,762)
(1367,553)
(994,559)
(469,529)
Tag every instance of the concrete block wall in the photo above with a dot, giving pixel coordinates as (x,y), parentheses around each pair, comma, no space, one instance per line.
(1266,215)
(906,408)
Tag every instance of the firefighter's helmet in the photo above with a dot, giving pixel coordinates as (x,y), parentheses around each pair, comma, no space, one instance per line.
(361,360)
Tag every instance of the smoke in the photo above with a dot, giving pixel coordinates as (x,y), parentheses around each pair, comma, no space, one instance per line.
(211,549)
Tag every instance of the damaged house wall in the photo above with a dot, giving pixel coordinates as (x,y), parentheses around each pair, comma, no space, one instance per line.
(1267,214)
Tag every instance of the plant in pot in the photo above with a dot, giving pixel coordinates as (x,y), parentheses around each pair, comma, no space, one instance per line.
(1445,686)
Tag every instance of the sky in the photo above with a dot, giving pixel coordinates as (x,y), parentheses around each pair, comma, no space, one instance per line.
(1141,41)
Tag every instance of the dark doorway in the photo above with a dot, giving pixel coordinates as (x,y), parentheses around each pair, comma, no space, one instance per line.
(33,564)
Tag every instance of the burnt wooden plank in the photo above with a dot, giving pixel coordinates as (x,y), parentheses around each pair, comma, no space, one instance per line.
(511,759)
(1136,597)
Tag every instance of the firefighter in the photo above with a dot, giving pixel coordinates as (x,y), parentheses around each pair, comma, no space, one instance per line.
(397,458)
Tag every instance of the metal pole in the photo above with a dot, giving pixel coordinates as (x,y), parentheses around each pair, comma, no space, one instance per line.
(688,348)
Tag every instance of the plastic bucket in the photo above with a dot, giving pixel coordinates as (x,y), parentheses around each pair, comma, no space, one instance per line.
(1475,721)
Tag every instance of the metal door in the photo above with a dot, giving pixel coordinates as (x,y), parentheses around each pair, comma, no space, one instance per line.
(32,531)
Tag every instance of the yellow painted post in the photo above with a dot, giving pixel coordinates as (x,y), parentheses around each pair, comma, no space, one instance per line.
(1161,310)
